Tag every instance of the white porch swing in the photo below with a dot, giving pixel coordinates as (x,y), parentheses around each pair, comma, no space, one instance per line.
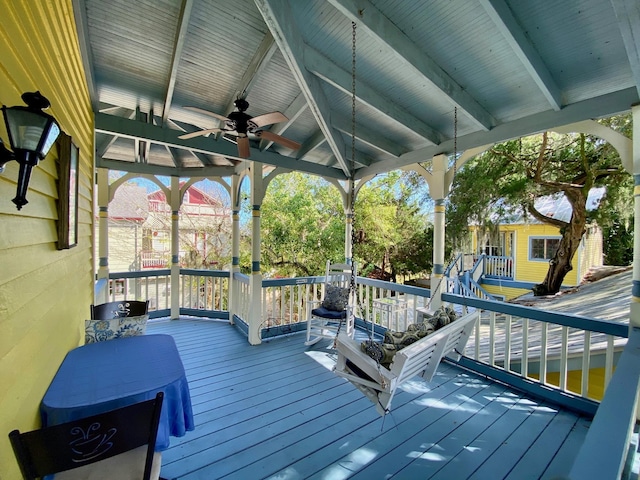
(376,381)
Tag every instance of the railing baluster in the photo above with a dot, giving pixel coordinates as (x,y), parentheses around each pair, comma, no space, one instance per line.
(283,304)
(156,306)
(492,337)
(215,284)
(524,368)
(507,343)
(564,358)
(543,352)
(167,287)
(608,371)
(586,360)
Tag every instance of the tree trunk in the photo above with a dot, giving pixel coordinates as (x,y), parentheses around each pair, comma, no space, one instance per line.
(560,264)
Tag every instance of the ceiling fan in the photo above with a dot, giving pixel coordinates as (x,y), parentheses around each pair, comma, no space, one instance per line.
(240,124)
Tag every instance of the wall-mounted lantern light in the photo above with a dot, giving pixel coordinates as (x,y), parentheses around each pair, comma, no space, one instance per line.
(31,134)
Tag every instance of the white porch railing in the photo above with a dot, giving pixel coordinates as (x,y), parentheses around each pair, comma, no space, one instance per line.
(206,290)
(531,349)
(152,285)
(242,301)
(497,266)
(202,292)
(532,344)
(155,259)
(614,421)
(284,301)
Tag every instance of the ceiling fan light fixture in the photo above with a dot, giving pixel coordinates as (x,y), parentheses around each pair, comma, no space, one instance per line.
(241,124)
(241,104)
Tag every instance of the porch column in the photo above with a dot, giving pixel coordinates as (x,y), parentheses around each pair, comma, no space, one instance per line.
(235,244)
(175,248)
(438,190)
(103,232)
(255,282)
(634,320)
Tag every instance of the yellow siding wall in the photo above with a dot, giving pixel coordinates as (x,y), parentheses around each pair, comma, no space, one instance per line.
(528,271)
(45,293)
(506,292)
(591,254)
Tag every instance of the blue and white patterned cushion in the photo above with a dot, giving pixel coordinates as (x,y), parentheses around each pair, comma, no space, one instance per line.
(102,330)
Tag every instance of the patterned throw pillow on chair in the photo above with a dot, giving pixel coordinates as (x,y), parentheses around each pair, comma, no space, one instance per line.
(102,330)
(335,298)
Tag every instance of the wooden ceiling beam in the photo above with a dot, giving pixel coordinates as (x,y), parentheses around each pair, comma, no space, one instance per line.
(502,16)
(384,30)
(277,14)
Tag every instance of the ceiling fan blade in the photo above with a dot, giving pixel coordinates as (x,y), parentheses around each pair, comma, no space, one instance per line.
(243,146)
(199,133)
(269,119)
(274,137)
(207,112)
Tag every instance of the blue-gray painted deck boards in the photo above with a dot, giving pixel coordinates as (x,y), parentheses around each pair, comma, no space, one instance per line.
(273,411)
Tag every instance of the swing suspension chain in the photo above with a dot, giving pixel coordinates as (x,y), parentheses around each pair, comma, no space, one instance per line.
(352,193)
(455,143)
(352,278)
(353,290)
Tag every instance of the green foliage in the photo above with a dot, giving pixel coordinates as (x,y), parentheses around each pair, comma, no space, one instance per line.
(512,175)
(391,229)
(303,225)
(618,243)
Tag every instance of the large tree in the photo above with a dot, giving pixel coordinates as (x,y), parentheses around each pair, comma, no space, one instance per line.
(392,231)
(303,225)
(516,173)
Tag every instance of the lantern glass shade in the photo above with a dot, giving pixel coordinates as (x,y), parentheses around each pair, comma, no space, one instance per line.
(30,130)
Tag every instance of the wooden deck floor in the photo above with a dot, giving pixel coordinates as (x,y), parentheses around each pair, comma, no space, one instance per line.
(277,411)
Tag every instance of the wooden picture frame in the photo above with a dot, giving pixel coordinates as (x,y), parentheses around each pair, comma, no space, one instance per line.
(68,176)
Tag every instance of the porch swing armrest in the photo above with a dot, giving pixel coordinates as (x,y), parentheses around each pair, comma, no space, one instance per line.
(380,378)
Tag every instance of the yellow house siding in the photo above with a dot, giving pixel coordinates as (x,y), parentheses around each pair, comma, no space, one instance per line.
(591,253)
(45,293)
(507,292)
(535,271)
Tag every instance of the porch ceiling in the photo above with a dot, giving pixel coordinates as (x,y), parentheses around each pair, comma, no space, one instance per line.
(511,68)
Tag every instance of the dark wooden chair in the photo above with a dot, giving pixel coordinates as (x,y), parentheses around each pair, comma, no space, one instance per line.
(124,308)
(117,444)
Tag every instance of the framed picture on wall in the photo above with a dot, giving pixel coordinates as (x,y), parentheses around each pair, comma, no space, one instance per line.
(69,158)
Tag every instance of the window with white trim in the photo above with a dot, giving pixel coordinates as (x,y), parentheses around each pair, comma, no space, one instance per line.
(543,248)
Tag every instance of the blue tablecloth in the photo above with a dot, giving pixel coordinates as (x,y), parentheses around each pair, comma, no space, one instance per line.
(103,376)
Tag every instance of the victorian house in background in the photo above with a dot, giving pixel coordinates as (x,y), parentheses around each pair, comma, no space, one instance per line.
(140,230)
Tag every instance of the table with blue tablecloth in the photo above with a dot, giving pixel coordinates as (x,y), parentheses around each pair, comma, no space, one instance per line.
(103,376)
